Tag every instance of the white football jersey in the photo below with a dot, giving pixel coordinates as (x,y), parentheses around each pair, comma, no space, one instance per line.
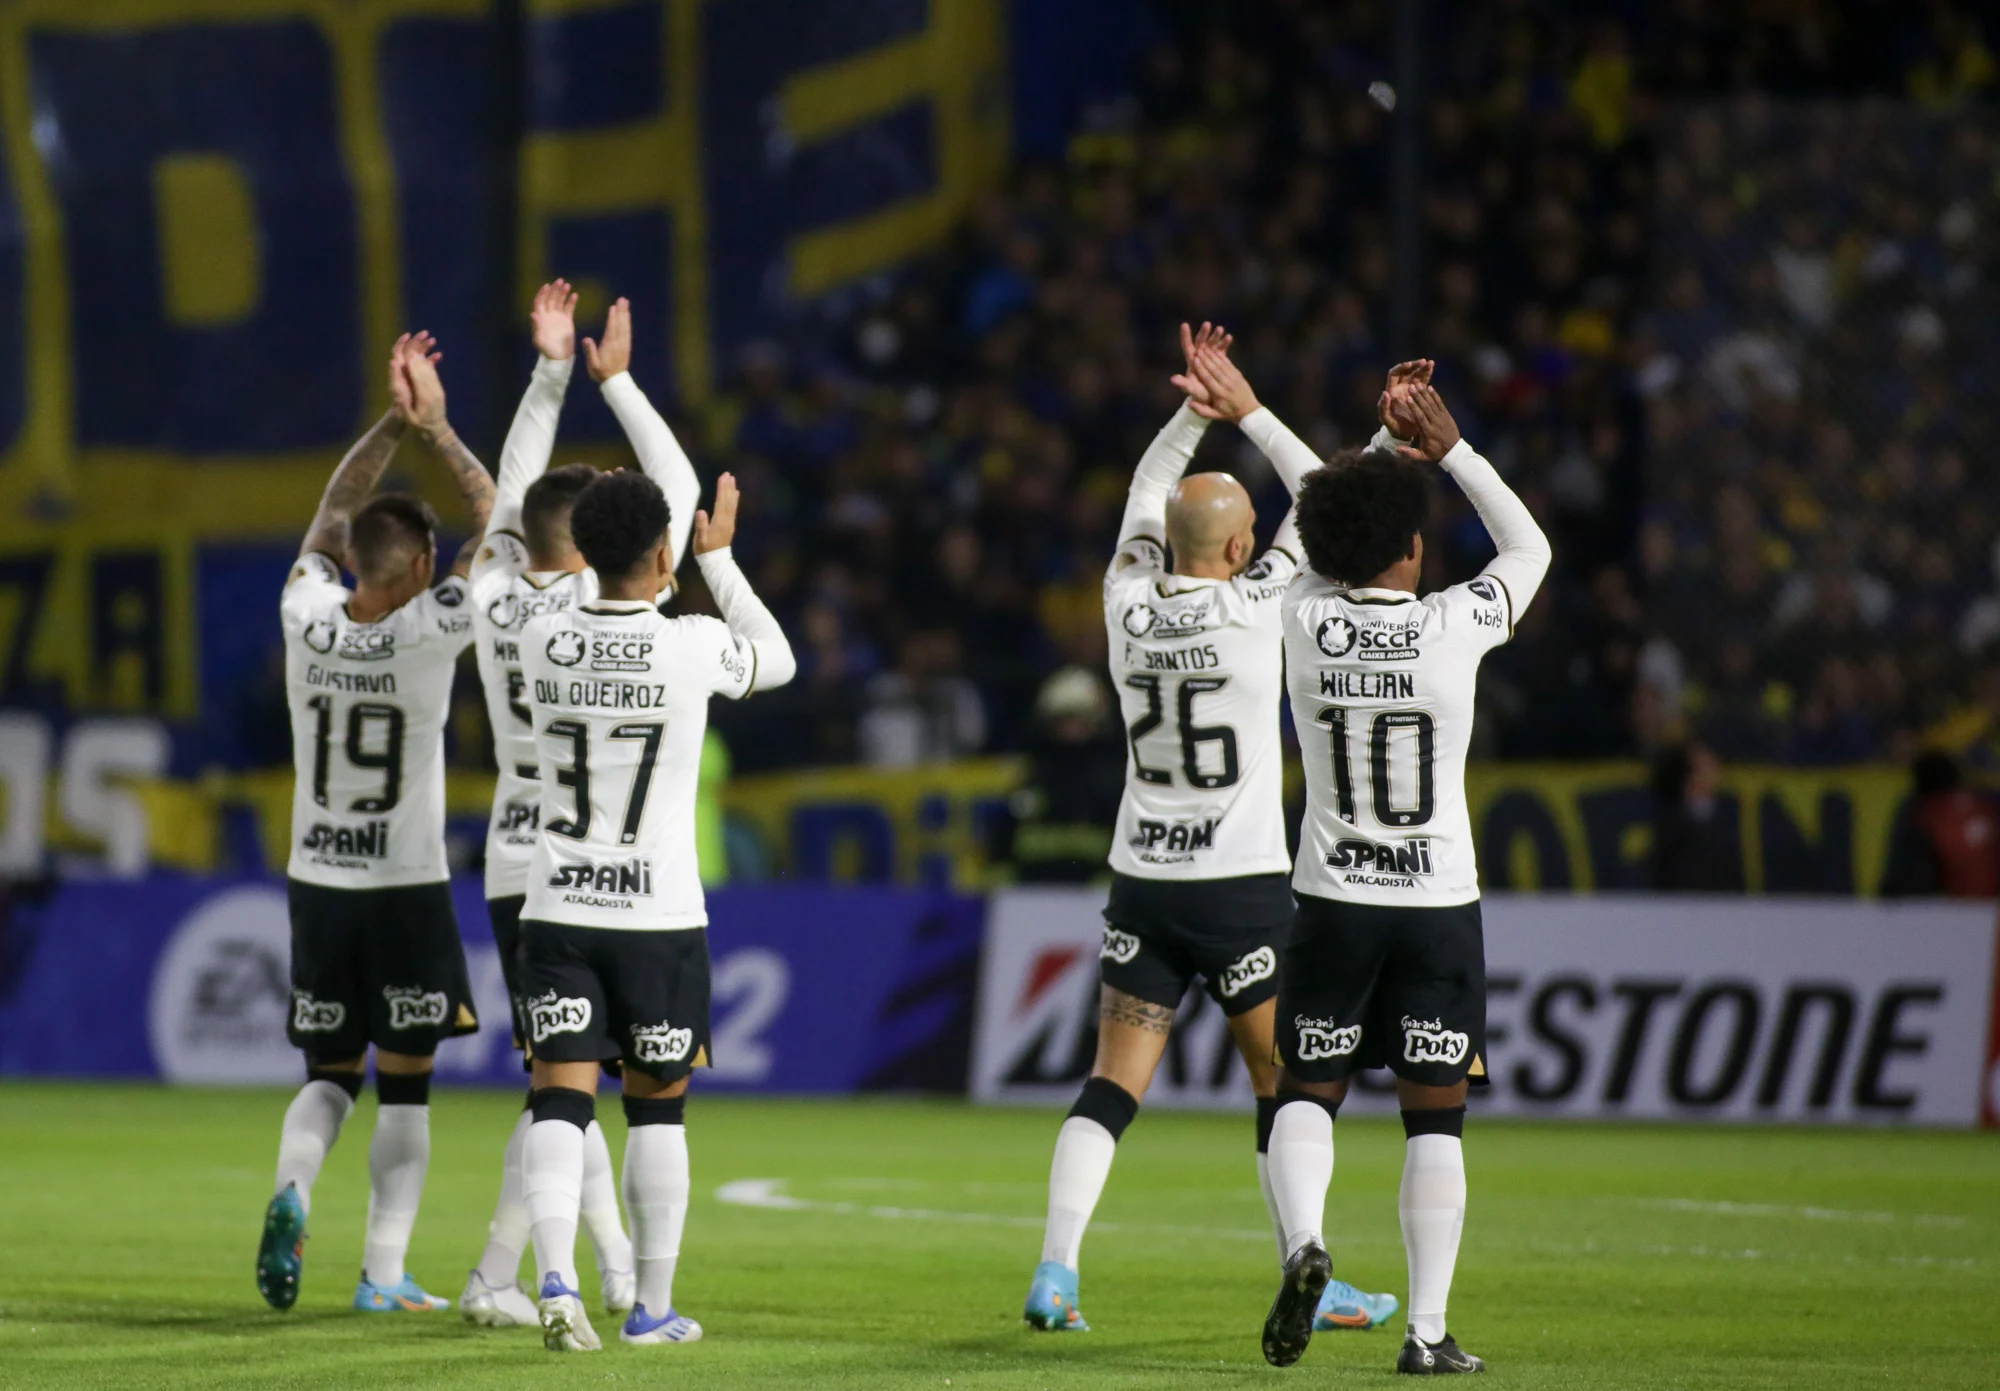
(619,694)
(369,703)
(1382,686)
(1199,669)
(505,595)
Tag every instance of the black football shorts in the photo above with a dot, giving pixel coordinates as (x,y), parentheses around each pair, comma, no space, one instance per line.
(1161,934)
(380,966)
(505,915)
(591,994)
(1368,985)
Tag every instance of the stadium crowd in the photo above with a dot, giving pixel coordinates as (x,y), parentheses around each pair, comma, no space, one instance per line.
(933,481)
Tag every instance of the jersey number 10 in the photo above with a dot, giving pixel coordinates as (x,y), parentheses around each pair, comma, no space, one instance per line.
(1383,800)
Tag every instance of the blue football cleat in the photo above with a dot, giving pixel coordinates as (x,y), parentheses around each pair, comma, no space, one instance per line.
(1052,1300)
(281,1255)
(405,1298)
(642,1328)
(1343,1306)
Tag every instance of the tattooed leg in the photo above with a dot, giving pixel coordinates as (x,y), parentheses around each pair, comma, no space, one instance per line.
(1131,1037)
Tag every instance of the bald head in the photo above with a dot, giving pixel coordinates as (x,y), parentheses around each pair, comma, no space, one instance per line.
(1210,525)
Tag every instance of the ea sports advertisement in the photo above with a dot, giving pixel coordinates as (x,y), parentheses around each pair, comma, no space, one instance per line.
(1811,1010)
(189,981)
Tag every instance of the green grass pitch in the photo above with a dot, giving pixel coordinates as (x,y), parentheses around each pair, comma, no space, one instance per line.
(1594,1256)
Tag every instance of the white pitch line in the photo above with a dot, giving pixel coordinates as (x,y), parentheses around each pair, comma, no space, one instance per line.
(769,1193)
(1811,1214)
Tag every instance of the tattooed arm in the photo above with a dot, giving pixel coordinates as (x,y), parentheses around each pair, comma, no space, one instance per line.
(474,482)
(355,479)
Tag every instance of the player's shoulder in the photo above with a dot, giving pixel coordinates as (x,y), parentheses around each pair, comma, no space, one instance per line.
(1266,581)
(442,612)
(313,587)
(1138,561)
(501,553)
(1480,608)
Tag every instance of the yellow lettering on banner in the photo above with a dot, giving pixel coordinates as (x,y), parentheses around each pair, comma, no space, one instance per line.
(211,272)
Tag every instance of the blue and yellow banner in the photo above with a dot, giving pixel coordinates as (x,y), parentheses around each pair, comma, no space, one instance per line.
(215,215)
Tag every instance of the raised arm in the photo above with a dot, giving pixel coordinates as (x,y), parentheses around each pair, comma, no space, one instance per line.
(1524,552)
(1167,457)
(660,454)
(1231,398)
(742,610)
(475,484)
(531,439)
(355,477)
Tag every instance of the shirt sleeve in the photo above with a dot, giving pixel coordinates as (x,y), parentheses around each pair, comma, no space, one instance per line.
(501,555)
(1475,613)
(314,580)
(1160,467)
(1290,456)
(531,439)
(756,655)
(1524,552)
(660,455)
(444,615)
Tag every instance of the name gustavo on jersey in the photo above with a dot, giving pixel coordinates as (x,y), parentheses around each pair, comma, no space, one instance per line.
(602,695)
(373,682)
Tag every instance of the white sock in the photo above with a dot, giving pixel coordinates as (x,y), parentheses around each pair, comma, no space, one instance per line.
(507,1233)
(312,1124)
(1301,1167)
(1432,1206)
(1271,1202)
(1084,1151)
(552,1182)
(399,1156)
(656,1190)
(601,1217)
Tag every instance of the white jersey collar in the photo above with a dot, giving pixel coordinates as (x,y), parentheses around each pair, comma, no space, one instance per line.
(1380,596)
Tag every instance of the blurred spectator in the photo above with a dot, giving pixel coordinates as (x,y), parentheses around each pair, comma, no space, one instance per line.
(1946,841)
(1697,846)
(1060,821)
(924,711)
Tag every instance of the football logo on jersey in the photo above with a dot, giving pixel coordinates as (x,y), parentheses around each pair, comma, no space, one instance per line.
(1139,620)
(660,1043)
(450,595)
(319,635)
(310,1016)
(1261,570)
(1484,589)
(1118,946)
(1260,964)
(550,1015)
(1428,1041)
(414,1008)
(1324,1038)
(566,649)
(1336,637)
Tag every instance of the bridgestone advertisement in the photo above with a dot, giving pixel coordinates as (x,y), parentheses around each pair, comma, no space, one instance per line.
(1817,1010)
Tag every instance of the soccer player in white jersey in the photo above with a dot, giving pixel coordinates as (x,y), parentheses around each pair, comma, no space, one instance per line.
(376,957)
(614,941)
(528,566)
(1199,858)
(1385,964)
